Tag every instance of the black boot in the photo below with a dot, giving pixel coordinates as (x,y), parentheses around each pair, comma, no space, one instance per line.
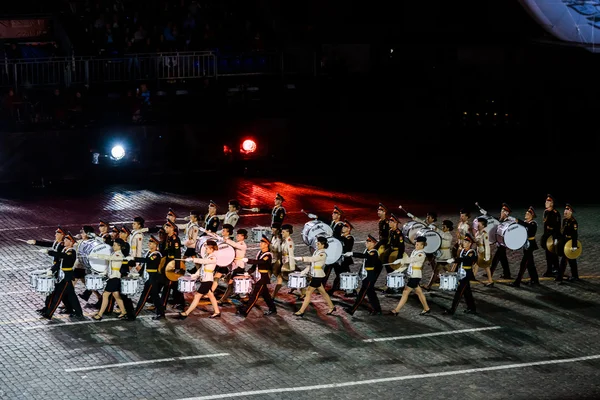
(85,295)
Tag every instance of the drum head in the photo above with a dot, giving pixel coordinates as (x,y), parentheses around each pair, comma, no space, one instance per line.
(434,240)
(511,235)
(409,230)
(92,247)
(334,251)
(200,242)
(225,254)
(312,229)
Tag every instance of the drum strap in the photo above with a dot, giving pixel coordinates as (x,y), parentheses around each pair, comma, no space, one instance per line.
(419,268)
(67,269)
(116,269)
(151,270)
(263,271)
(317,267)
(466,267)
(369,269)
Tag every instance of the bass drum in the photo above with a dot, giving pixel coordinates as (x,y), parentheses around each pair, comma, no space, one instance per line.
(334,251)
(511,235)
(225,254)
(491,228)
(93,247)
(409,230)
(312,229)
(434,240)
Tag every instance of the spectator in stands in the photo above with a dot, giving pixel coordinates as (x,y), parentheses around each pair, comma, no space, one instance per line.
(57,107)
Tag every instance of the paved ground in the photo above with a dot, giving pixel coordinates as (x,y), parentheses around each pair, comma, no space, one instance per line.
(540,342)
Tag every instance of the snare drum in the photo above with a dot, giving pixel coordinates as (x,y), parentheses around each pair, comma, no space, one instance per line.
(242,284)
(33,277)
(434,240)
(448,281)
(129,285)
(185,284)
(312,229)
(94,282)
(44,284)
(296,280)
(257,233)
(512,235)
(395,280)
(348,281)
(491,228)
(409,230)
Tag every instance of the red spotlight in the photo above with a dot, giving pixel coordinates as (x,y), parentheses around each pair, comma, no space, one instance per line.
(248,146)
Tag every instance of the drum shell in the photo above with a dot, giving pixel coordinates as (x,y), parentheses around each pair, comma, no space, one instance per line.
(348,281)
(315,228)
(491,228)
(395,280)
(45,284)
(242,284)
(129,286)
(92,247)
(94,282)
(257,232)
(409,230)
(296,280)
(448,281)
(186,284)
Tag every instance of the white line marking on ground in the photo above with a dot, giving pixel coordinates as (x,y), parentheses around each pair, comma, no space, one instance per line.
(128,364)
(487,328)
(394,378)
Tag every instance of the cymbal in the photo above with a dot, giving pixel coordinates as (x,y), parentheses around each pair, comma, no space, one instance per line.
(550,244)
(572,254)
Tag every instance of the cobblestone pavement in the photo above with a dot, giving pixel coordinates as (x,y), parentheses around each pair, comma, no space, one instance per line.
(539,342)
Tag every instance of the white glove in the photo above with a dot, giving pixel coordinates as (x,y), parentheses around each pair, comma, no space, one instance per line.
(486,259)
(246,273)
(255,209)
(556,242)
(348,254)
(102,274)
(410,215)
(43,251)
(49,272)
(450,260)
(129,258)
(312,216)
(245,259)
(189,259)
(397,261)
(573,248)
(31,241)
(432,227)
(298,258)
(144,230)
(481,210)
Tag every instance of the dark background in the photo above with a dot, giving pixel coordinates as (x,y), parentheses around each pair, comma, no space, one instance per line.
(473,91)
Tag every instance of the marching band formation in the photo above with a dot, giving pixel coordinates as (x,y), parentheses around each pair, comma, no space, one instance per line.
(115,267)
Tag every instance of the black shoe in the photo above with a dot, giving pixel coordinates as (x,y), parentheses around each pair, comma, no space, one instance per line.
(65,311)
(217,315)
(425,312)
(512,284)
(352,294)
(469,311)
(157,317)
(330,312)
(348,310)
(75,315)
(270,312)
(489,284)
(375,312)
(299,314)
(448,312)
(547,274)
(45,316)
(505,277)
(574,279)
(41,310)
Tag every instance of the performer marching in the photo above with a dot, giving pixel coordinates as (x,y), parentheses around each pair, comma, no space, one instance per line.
(371,268)
(466,258)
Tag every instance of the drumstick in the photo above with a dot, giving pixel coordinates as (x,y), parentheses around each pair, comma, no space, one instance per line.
(253,209)
(22,240)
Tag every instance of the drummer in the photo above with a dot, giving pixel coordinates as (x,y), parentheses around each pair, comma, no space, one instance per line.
(113,285)
(371,268)
(208,264)
(394,249)
(444,252)
(222,271)
(500,254)
(150,262)
(238,265)
(414,265)
(87,233)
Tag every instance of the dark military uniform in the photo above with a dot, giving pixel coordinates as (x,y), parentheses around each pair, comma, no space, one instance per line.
(551,229)
(150,262)
(372,266)
(569,232)
(172,251)
(64,288)
(55,247)
(527,262)
(465,260)
(264,263)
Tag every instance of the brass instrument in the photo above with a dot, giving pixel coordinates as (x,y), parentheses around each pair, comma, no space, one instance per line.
(572,254)
(173,274)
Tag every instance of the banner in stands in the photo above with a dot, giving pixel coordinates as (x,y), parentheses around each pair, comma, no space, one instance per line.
(23,28)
